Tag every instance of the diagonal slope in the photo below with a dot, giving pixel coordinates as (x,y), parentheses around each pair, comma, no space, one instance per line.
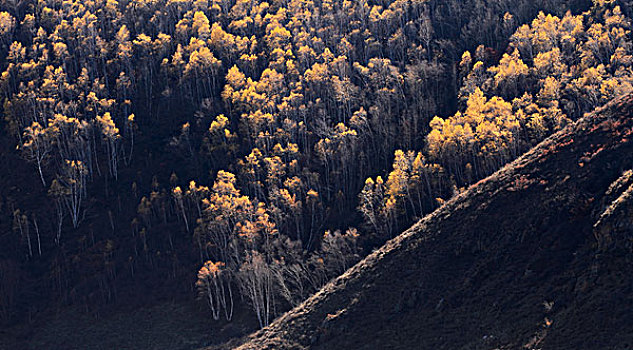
(512,262)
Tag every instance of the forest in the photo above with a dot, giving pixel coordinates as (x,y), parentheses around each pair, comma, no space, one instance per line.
(245,152)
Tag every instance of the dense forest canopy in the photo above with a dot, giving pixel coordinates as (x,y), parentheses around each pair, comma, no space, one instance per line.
(266,146)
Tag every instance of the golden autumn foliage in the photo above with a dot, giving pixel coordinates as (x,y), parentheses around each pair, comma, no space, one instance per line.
(573,65)
(299,118)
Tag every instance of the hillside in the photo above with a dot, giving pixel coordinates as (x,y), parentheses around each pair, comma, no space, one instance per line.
(181,173)
(538,255)
(128,127)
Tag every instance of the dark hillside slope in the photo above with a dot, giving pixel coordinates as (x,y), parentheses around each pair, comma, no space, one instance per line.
(538,255)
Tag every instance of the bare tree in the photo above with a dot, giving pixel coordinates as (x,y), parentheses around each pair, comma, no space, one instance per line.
(256,282)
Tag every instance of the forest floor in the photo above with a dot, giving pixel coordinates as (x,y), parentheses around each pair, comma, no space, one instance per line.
(178,325)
